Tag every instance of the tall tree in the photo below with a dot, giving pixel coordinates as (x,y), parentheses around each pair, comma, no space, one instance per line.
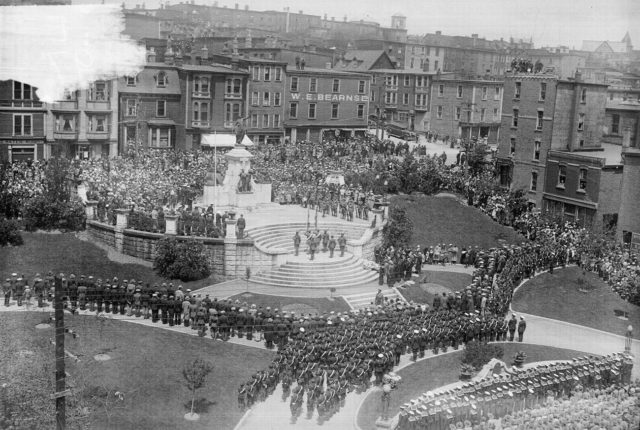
(399,229)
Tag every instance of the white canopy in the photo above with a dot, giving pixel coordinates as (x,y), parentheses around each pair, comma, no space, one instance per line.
(246,141)
(219,140)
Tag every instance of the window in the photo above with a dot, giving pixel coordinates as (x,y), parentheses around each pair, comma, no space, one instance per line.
(437,51)
(161,79)
(615,124)
(534,181)
(539,120)
(160,137)
(580,121)
(405,98)
(582,182)
(390,97)
(407,80)
(131,107)
(276,99)
(562,176)
(483,113)
(496,96)
(484,93)
(278,74)
(267,74)
(131,81)
(512,146)
(421,99)
(335,110)
(458,112)
(336,85)
(255,98)
(161,108)
(255,74)
(201,112)
(201,86)
(254,120)
(583,95)
(496,115)
(312,110)
(294,84)
(517,91)
(360,111)
(435,65)
(440,90)
(424,65)
(98,91)
(543,91)
(265,120)
(232,112)
(421,81)
(361,87)
(536,150)
(313,85)
(293,110)
(22,125)
(276,121)
(459,93)
(97,123)
(65,123)
(439,112)
(21,91)
(391,81)
(514,120)
(266,99)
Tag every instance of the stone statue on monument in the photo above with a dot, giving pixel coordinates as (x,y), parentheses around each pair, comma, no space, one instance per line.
(244,184)
(239,130)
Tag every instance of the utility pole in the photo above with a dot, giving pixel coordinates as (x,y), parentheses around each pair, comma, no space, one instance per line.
(60,372)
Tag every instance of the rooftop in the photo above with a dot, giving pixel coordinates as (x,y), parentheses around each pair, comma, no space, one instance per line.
(612,154)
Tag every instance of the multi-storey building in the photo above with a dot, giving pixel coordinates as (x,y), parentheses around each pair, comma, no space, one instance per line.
(622,123)
(540,112)
(325,103)
(22,120)
(466,108)
(423,54)
(84,123)
(265,105)
(150,112)
(401,97)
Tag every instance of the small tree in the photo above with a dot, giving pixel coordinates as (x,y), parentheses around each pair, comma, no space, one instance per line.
(195,375)
(184,260)
(399,229)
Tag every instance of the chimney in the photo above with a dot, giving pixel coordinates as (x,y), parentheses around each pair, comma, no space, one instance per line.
(246,7)
(578,76)
(168,57)
(333,18)
(438,33)
(345,18)
(300,12)
(237,6)
(205,53)
(325,16)
(179,61)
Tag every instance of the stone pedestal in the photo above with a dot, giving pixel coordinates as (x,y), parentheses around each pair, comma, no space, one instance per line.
(171,227)
(122,220)
(378,215)
(90,209)
(231,227)
(230,249)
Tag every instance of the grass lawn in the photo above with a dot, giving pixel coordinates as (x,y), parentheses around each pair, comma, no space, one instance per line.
(442,370)
(146,366)
(445,220)
(65,253)
(421,292)
(296,304)
(558,296)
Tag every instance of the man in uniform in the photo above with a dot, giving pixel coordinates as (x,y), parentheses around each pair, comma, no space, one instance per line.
(325,241)
(522,326)
(7,289)
(242,224)
(513,322)
(296,242)
(342,243)
(332,246)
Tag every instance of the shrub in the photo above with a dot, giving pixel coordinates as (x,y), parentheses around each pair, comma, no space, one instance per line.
(399,229)
(184,260)
(9,233)
(477,354)
(43,212)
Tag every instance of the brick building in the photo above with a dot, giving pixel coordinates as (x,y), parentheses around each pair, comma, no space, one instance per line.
(323,103)
(540,112)
(84,123)
(466,108)
(628,219)
(402,97)
(22,122)
(622,123)
(150,112)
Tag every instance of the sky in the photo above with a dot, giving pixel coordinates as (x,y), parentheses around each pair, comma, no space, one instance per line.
(548,22)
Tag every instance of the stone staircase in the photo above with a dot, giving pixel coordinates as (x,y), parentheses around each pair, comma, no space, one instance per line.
(323,272)
(280,236)
(363,300)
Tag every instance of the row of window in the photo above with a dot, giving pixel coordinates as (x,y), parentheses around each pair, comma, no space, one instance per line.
(458,113)
(460,92)
(391,98)
(265,98)
(313,109)
(426,50)
(313,85)
(542,95)
(424,64)
(536,148)
(515,117)
(266,73)
(67,123)
(132,108)
(562,179)
(265,121)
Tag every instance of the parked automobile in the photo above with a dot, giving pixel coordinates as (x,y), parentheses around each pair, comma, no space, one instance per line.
(401,132)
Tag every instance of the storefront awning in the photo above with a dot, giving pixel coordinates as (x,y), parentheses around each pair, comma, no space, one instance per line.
(219,140)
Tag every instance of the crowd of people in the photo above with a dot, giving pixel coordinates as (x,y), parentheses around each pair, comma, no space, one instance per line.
(533,396)
(19,181)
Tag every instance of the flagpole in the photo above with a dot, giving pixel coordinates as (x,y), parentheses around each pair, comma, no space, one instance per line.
(215,176)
